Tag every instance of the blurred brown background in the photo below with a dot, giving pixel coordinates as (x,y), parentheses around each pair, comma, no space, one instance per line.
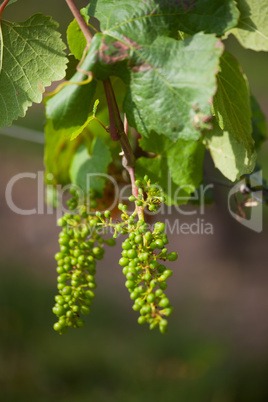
(216,347)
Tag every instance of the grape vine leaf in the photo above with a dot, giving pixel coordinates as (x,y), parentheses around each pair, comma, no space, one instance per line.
(59,151)
(90,171)
(75,37)
(229,155)
(259,124)
(151,18)
(177,168)
(166,93)
(70,107)
(31,57)
(231,104)
(252,29)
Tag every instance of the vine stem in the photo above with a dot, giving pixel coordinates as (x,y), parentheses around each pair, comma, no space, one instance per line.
(80,20)
(117,130)
(2,7)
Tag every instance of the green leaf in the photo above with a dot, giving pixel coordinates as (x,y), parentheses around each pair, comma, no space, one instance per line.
(231,104)
(59,152)
(229,156)
(252,29)
(31,57)
(75,37)
(259,124)
(89,171)
(177,167)
(90,119)
(70,107)
(149,19)
(95,106)
(167,92)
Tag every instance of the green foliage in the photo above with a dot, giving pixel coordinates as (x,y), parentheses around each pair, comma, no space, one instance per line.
(85,165)
(177,168)
(252,29)
(75,38)
(232,110)
(163,64)
(150,19)
(70,107)
(229,156)
(31,57)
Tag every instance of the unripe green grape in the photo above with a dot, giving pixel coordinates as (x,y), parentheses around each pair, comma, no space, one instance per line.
(167,273)
(123,261)
(60,270)
(80,323)
(140,301)
(132,253)
(130,276)
(67,290)
(132,198)
(164,302)
(126,245)
(107,214)
(172,256)
(134,295)
(57,327)
(159,243)
(153,246)
(158,292)
(111,242)
(153,325)
(148,236)
(130,284)
(147,276)
(154,265)
(87,302)
(143,256)
(61,222)
(125,253)
(58,256)
(75,308)
(138,239)
(159,227)
(85,310)
(167,311)
(63,278)
(142,320)
(89,294)
(58,310)
(163,285)
(150,298)
(153,283)
(161,268)
(92,285)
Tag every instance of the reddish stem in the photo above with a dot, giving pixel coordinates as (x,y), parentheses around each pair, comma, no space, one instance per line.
(2,7)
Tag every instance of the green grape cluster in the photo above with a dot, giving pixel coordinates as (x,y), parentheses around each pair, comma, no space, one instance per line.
(142,251)
(146,275)
(80,247)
